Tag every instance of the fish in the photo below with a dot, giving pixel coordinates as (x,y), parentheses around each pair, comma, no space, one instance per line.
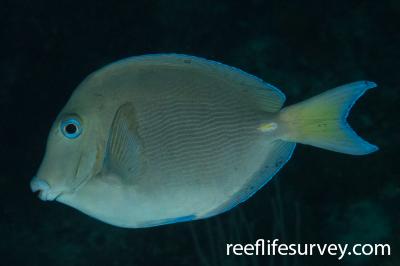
(165,138)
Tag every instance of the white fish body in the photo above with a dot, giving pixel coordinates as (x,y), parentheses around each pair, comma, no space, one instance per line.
(170,138)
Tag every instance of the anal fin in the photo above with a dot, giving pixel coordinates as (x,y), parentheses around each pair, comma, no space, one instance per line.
(279,153)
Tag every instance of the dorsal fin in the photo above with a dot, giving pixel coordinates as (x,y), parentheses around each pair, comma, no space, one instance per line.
(266,96)
(123,157)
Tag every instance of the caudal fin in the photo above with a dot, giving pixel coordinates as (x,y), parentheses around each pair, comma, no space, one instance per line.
(321,120)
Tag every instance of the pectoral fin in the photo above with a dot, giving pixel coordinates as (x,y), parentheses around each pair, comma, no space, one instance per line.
(123,158)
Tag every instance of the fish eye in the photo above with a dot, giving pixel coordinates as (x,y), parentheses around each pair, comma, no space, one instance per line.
(71,128)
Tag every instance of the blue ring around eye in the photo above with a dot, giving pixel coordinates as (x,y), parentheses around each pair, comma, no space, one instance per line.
(71,122)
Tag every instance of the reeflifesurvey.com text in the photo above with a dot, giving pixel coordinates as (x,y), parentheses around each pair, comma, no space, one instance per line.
(270,248)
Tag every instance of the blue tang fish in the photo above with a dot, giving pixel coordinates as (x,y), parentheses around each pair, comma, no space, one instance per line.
(159,139)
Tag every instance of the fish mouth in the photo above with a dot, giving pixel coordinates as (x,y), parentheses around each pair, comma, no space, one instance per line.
(43,189)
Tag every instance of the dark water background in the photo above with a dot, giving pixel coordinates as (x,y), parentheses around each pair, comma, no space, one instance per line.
(302,47)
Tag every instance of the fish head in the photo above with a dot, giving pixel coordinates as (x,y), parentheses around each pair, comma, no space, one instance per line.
(70,159)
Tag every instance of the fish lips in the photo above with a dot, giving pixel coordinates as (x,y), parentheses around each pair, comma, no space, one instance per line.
(44,190)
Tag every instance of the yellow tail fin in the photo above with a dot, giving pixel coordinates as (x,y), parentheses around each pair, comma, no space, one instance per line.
(321,120)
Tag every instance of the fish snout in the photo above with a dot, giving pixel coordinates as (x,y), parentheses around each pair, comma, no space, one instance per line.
(43,188)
